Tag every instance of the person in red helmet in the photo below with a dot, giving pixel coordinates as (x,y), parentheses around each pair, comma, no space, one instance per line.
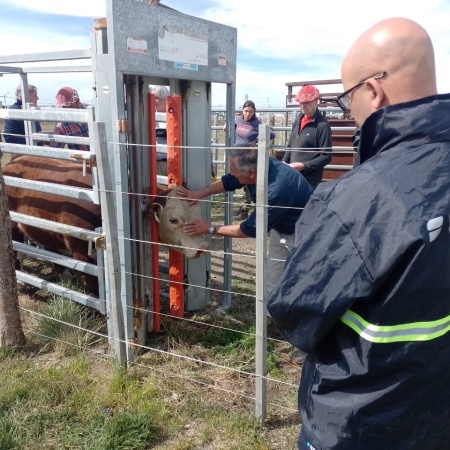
(68,97)
(309,146)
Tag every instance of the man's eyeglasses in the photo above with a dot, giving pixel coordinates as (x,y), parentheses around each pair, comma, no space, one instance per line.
(344,101)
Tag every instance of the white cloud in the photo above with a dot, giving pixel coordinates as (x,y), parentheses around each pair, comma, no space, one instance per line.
(81,8)
(317,36)
(285,42)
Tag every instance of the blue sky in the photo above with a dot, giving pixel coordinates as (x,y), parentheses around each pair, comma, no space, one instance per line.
(278,42)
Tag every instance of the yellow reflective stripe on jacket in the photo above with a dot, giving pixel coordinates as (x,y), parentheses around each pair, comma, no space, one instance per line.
(417,331)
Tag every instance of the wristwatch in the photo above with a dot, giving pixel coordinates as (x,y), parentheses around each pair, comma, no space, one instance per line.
(212,229)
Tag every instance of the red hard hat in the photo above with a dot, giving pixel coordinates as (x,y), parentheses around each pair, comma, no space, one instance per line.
(307,94)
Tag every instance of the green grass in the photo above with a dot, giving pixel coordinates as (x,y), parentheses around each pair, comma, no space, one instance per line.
(84,403)
(67,407)
(69,327)
(53,397)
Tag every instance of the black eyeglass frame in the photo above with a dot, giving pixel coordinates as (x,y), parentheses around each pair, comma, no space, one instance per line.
(340,98)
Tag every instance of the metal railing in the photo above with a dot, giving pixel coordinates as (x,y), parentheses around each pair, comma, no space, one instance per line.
(280,120)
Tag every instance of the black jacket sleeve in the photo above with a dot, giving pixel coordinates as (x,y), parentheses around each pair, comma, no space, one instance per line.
(325,144)
(324,276)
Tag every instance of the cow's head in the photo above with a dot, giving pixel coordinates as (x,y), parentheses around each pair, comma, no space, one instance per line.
(172,213)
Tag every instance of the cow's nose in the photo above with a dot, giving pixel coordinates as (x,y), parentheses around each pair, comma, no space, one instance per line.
(202,250)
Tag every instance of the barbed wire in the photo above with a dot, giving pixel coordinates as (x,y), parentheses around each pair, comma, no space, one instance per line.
(149,309)
(198,361)
(166,374)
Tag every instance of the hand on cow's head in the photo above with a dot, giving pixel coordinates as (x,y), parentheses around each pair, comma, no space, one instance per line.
(197,226)
(171,218)
(192,197)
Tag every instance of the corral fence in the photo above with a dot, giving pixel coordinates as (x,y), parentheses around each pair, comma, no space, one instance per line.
(109,301)
(280,121)
(119,149)
(103,242)
(122,75)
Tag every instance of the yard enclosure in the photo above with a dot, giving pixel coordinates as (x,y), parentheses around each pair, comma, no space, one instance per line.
(220,298)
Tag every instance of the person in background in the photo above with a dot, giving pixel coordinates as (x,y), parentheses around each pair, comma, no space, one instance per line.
(287,191)
(247,131)
(161,93)
(366,287)
(236,115)
(310,140)
(14,130)
(68,97)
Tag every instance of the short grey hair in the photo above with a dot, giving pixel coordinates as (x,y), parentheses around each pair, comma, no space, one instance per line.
(31,89)
(160,91)
(246,158)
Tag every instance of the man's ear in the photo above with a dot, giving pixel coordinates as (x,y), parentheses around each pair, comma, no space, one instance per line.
(377,93)
(252,174)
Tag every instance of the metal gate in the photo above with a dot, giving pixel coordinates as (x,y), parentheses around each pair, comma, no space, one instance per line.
(121,77)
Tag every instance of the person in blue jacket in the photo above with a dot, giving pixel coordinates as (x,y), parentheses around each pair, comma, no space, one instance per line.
(14,132)
(247,131)
(366,288)
(287,191)
(247,125)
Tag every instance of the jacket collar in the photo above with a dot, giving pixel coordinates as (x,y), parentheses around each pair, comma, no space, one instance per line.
(314,117)
(417,120)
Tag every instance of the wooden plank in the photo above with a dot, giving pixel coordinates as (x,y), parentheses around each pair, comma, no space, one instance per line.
(100,23)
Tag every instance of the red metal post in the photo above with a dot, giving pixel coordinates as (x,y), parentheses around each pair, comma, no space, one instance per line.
(175,177)
(154,226)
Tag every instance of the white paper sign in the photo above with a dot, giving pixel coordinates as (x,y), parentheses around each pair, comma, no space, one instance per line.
(180,48)
(137,45)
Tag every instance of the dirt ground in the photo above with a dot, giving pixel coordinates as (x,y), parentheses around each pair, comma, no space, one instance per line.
(281,427)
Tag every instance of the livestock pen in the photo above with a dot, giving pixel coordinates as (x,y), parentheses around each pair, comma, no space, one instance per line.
(210,350)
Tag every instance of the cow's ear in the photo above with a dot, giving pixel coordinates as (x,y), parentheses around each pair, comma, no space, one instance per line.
(154,211)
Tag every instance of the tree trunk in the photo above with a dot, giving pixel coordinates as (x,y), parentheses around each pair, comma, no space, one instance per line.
(11,333)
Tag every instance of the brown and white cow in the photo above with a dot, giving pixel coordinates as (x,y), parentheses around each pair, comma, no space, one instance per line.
(81,213)
(52,207)
(171,212)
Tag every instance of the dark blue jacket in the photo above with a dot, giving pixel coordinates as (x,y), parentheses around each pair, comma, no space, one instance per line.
(247,131)
(366,289)
(15,129)
(287,188)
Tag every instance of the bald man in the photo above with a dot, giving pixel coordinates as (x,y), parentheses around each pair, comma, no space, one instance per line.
(366,287)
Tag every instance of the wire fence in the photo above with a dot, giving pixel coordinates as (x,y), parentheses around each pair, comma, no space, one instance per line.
(183,338)
(214,363)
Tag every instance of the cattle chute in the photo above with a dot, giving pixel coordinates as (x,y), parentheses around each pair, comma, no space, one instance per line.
(123,69)
(186,54)
(175,177)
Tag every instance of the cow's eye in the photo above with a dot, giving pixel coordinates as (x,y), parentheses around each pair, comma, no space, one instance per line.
(173,221)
